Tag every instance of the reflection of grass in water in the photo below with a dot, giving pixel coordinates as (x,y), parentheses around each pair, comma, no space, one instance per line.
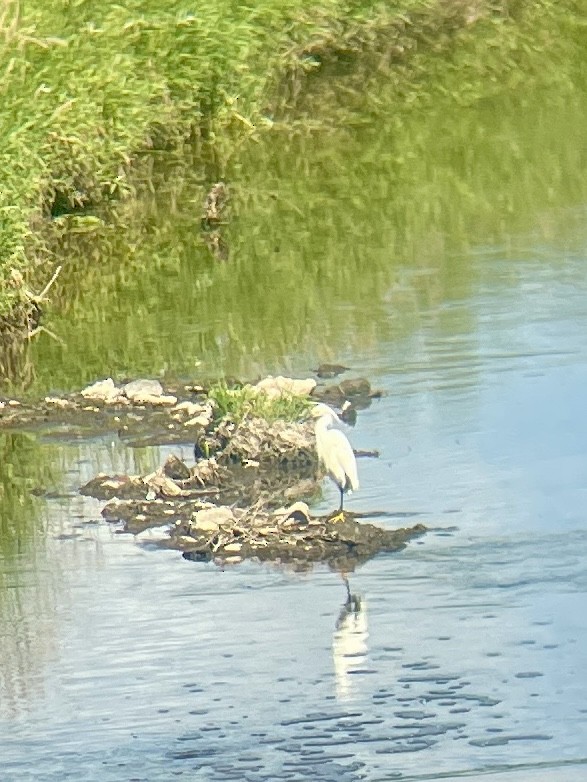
(337,242)
(152,75)
(35,569)
(25,466)
(27,585)
(245,402)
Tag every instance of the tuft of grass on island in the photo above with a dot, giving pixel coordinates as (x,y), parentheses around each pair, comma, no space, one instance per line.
(255,467)
(92,91)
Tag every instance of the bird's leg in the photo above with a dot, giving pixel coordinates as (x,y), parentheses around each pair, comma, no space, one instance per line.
(340,515)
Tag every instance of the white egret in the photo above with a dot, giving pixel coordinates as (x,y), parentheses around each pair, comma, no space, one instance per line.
(335,452)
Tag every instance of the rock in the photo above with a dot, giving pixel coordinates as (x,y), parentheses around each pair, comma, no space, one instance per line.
(359,386)
(195,388)
(162,484)
(208,472)
(299,511)
(142,387)
(102,391)
(325,371)
(105,487)
(57,401)
(280,442)
(190,408)
(185,541)
(274,387)
(210,519)
(153,399)
(357,389)
(175,469)
(203,420)
(232,547)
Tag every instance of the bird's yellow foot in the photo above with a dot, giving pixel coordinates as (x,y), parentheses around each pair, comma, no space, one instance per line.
(337,517)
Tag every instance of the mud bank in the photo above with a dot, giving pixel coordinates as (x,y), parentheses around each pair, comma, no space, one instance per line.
(227,515)
(245,496)
(244,419)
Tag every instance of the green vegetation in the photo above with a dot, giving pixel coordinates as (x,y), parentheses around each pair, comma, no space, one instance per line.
(90,91)
(245,402)
(24,468)
(325,229)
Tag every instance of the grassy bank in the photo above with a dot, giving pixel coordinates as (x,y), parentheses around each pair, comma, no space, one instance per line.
(90,89)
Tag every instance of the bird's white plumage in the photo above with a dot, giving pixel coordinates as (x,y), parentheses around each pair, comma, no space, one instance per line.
(336,454)
(334,450)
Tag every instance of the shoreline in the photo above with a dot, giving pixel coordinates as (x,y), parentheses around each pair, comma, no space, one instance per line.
(91,132)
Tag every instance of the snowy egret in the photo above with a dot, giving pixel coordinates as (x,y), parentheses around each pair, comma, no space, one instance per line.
(335,452)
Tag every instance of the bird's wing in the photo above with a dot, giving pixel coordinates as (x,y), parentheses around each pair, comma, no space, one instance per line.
(340,459)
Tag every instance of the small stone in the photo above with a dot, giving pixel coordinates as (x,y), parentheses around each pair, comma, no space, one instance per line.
(202,420)
(161,484)
(233,547)
(168,400)
(210,519)
(154,400)
(107,487)
(330,370)
(142,387)
(299,512)
(331,395)
(205,526)
(185,540)
(274,387)
(190,408)
(175,469)
(57,401)
(115,483)
(101,390)
(13,402)
(232,560)
(359,386)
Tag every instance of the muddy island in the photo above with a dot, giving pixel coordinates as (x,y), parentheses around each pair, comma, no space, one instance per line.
(255,467)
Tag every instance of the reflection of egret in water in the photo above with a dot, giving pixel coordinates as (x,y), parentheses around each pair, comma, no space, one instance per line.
(349,643)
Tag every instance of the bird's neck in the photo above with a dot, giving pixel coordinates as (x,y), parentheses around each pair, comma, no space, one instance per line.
(323,423)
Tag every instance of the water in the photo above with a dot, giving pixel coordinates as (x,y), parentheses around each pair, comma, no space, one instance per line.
(465,300)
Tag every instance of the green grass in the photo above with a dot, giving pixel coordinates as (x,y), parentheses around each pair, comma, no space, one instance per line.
(243,402)
(89,90)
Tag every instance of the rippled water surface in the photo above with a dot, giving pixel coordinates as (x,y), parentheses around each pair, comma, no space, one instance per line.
(464,653)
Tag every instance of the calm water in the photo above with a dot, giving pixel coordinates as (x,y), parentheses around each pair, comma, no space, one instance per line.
(458,284)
